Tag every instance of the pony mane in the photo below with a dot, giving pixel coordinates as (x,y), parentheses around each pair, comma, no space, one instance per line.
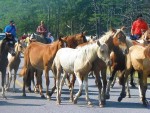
(129,42)
(117,31)
(105,37)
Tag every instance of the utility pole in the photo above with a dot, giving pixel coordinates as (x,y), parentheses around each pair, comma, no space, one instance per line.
(97,22)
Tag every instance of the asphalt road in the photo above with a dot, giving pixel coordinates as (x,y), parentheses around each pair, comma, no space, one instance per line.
(32,103)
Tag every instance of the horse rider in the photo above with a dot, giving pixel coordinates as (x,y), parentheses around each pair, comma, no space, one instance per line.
(10,31)
(138,27)
(42,30)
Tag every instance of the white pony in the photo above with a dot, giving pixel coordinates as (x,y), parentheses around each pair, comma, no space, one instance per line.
(79,62)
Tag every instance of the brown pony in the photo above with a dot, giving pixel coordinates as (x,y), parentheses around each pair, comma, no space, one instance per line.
(6,46)
(42,61)
(138,59)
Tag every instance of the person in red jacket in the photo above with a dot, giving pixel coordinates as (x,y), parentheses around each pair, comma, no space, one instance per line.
(138,26)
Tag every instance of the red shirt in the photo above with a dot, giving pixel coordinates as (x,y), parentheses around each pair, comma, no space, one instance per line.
(139,25)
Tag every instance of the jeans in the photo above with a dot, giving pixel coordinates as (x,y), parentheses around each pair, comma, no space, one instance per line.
(134,37)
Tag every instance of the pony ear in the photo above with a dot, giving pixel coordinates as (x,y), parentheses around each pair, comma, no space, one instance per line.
(112,29)
(83,33)
(98,43)
(123,28)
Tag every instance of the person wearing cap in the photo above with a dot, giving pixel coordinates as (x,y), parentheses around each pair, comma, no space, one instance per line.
(138,27)
(10,29)
(42,30)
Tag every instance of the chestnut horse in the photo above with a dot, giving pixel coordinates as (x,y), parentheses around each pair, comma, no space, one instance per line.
(72,42)
(6,46)
(138,59)
(42,61)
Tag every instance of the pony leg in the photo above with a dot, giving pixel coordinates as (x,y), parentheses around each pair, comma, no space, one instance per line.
(54,87)
(86,91)
(144,88)
(72,87)
(80,88)
(15,73)
(39,82)
(2,84)
(123,80)
(127,89)
(47,84)
(104,79)
(114,81)
(61,84)
(99,85)
(109,83)
(57,85)
(132,79)
(9,79)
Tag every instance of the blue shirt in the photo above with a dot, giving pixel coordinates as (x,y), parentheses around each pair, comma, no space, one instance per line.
(10,29)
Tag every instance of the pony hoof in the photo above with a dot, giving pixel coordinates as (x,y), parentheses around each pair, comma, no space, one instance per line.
(129,96)
(145,103)
(57,103)
(132,85)
(36,92)
(89,103)
(75,101)
(70,100)
(42,96)
(101,105)
(119,99)
(4,97)
(48,97)
(107,96)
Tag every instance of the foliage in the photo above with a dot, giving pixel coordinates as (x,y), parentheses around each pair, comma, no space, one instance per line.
(72,16)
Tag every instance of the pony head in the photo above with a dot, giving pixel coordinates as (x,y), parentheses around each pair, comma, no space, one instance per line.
(103,52)
(119,39)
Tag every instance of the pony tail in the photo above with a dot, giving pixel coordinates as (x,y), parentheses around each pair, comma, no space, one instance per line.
(26,63)
(53,68)
(23,72)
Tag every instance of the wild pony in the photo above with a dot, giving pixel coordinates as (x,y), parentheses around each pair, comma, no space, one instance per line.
(13,64)
(118,59)
(79,62)
(138,59)
(42,61)
(98,64)
(6,46)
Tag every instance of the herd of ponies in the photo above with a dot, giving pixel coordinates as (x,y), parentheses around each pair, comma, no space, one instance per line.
(72,58)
